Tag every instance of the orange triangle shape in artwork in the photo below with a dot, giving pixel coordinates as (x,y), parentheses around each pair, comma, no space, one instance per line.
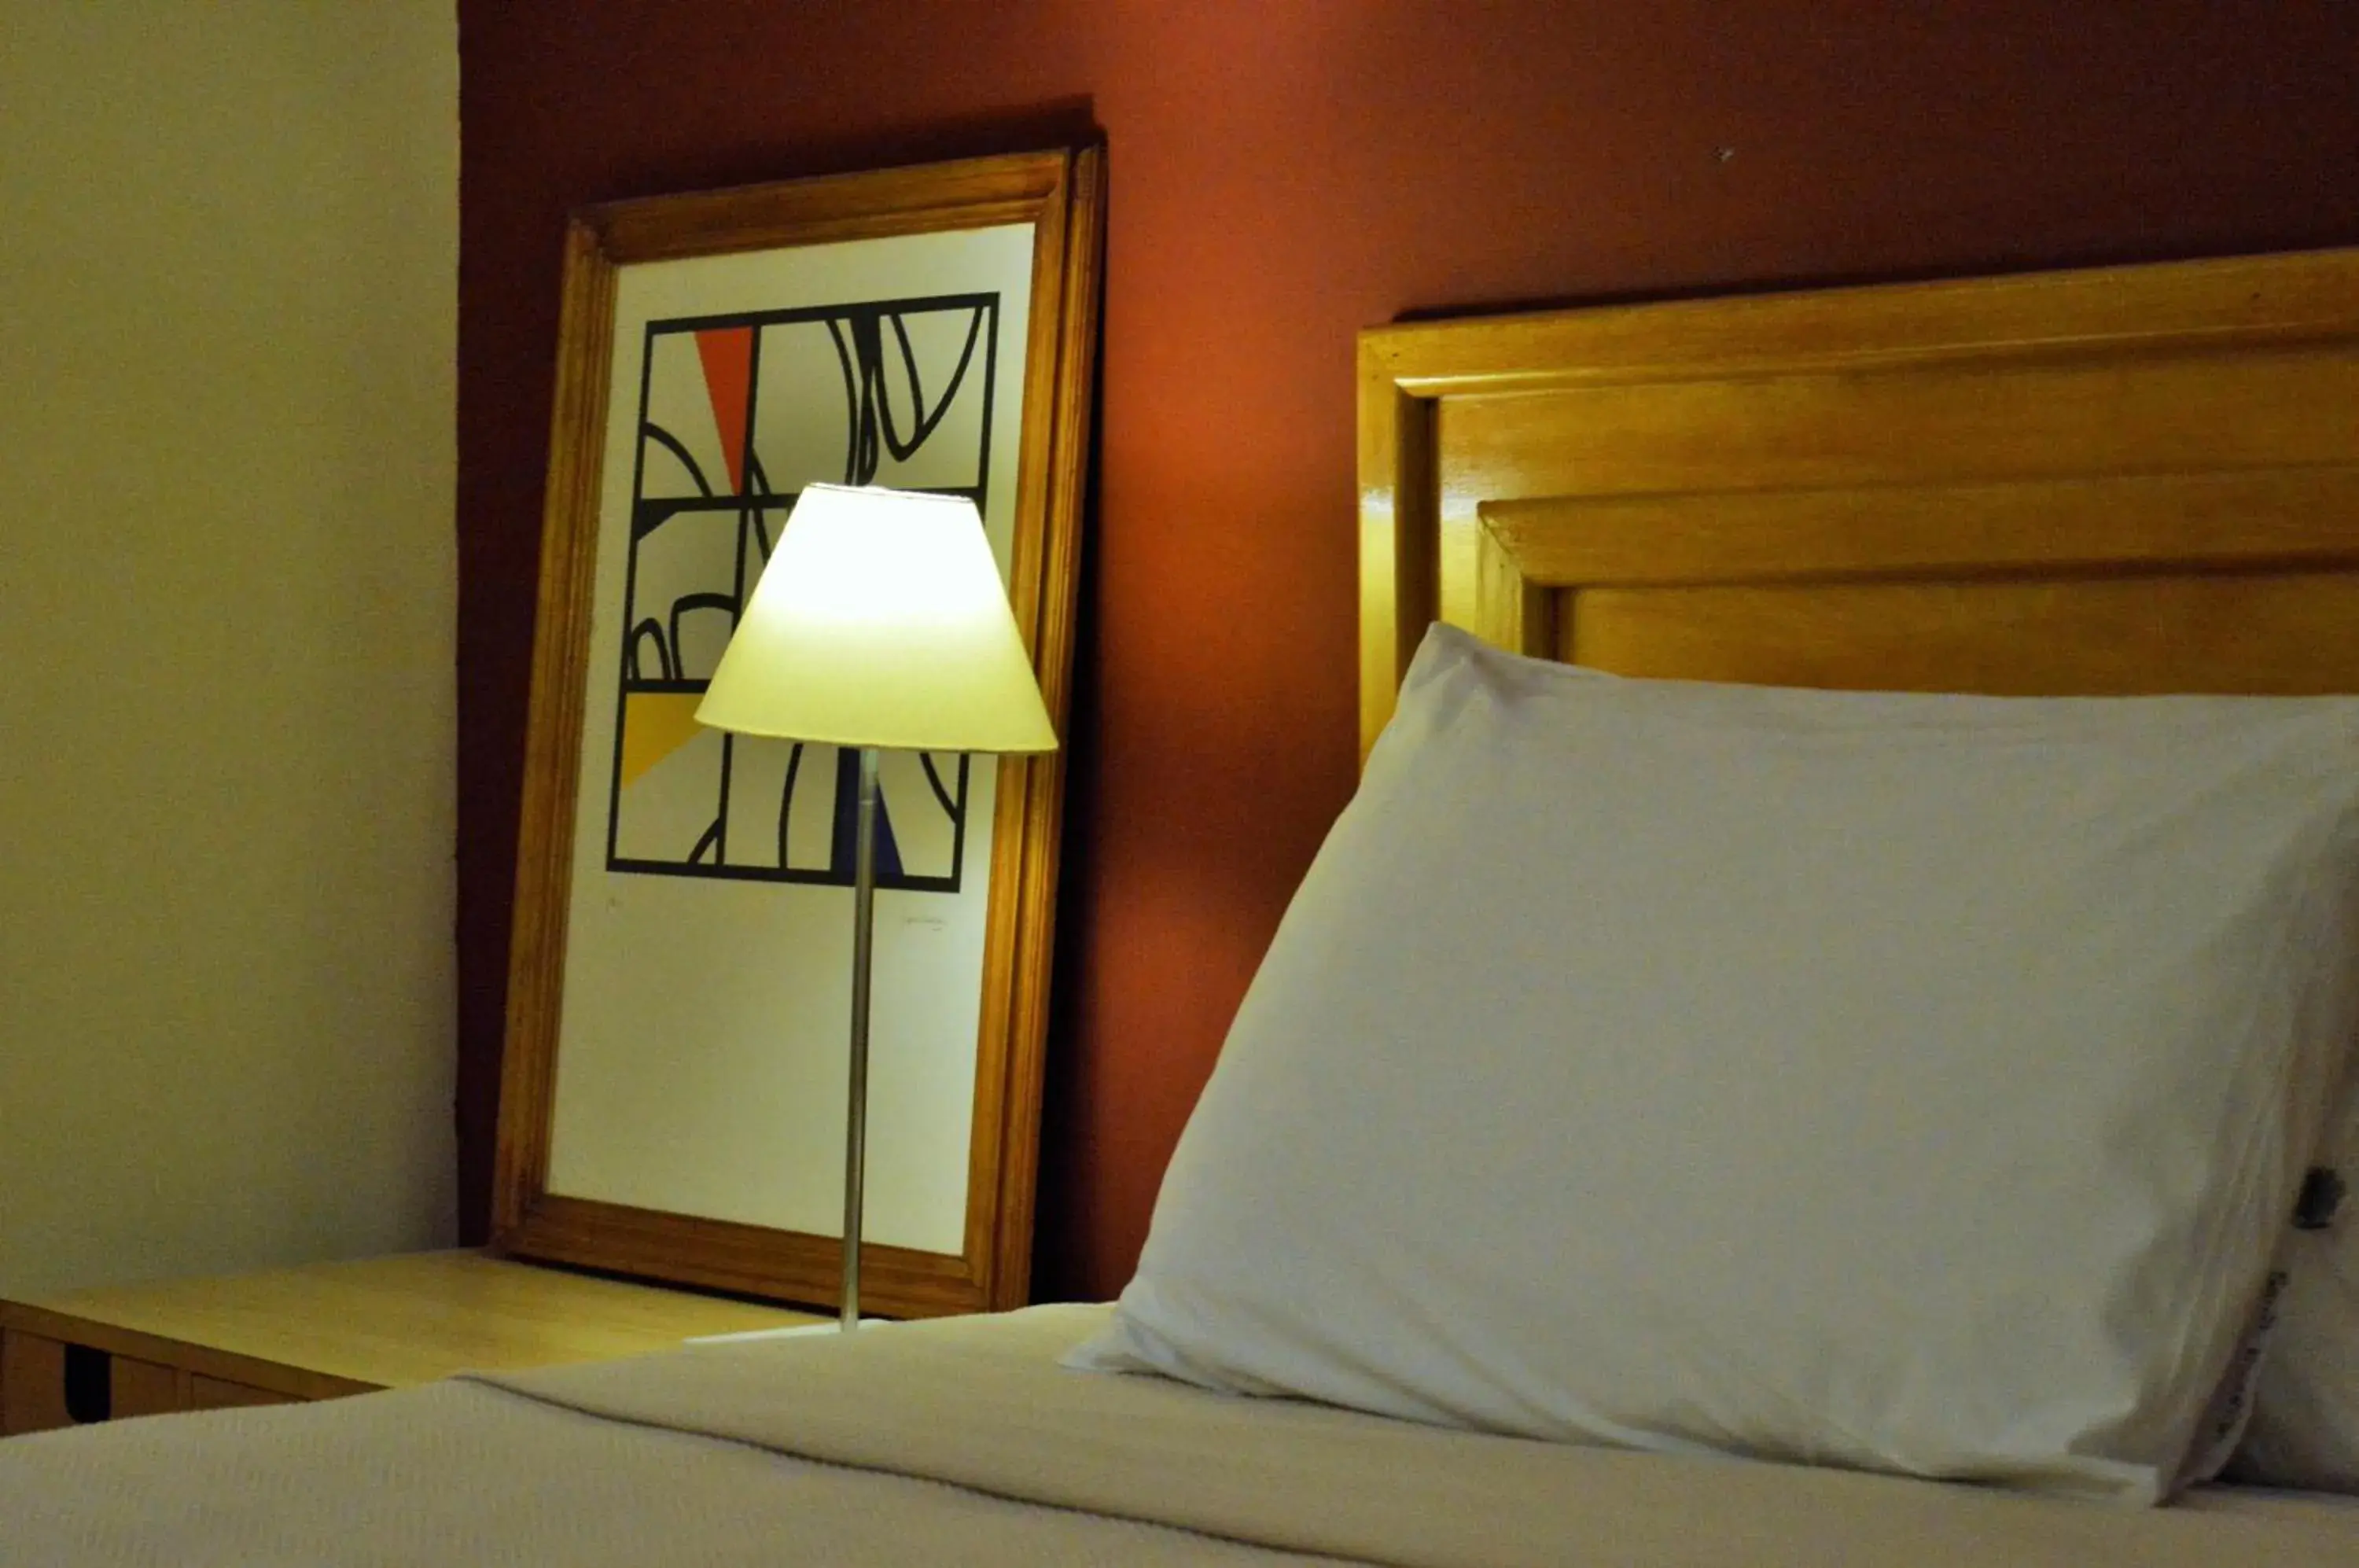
(728,356)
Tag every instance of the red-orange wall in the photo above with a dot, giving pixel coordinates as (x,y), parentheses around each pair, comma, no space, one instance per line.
(1283,173)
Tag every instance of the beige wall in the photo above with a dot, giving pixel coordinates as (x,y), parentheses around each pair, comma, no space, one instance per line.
(228,253)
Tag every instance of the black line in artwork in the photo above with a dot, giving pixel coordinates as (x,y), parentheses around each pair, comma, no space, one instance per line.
(916,382)
(721,819)
(927,423)
(746,454)
(630,592)
(751,468)
(916,388)
(875,420)
(868,388)
(990,380)
(791,315)
(787,799)
(867,356)
(664,438)
(876,387)
(851,406)
(668,506)
(688,603)
(757,482)
(958,828)
(904,881)
(926,761)
(647,517)
(647,629)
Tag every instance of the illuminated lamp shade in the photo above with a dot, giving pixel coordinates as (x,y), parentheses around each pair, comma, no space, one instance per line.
(880,621)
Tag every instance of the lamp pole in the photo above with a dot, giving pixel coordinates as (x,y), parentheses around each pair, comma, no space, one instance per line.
(855,1131)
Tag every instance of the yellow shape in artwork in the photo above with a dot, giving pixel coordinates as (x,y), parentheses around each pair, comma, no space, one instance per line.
(656,725)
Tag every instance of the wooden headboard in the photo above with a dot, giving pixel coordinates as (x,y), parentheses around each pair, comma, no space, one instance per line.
(2134,479)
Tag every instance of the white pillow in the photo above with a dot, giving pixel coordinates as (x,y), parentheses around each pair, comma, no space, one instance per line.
(2304,1430)
(1914,1083)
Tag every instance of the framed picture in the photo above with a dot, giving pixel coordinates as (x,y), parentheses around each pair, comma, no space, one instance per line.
(673,1097)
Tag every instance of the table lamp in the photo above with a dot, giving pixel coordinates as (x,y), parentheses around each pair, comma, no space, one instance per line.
(879,622)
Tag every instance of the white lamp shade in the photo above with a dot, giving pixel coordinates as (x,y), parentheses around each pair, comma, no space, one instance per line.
(880,620)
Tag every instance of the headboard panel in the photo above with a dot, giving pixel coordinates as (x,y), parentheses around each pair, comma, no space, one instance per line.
(2123,480)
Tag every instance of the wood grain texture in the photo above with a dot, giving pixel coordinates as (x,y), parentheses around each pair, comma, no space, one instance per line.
(32,1382)
(974,193)
(2245,518)
(723,1255)
(325,1330)
(1012,1179)
(99,1331)
(137,1388)
(217,1394)
(1513,603)
(559,679)
(1399,530)
(2129,479)
(2237,302)
(1898,423)
(1061,194)
(2274,634)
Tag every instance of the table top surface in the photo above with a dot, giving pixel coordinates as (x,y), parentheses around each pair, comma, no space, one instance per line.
(411,1318)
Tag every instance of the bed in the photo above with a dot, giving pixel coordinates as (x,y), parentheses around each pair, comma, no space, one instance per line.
(2115,482)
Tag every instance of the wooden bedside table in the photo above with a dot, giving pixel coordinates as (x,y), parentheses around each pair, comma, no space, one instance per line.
(327,1329)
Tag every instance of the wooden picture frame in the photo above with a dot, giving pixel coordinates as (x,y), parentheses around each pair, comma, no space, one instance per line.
(762,270)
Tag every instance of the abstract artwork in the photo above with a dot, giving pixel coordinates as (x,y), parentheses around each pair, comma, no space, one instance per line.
(673,1090)
(736,414)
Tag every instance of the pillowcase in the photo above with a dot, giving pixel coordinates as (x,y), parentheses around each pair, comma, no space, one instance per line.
(2304,1428)
(1911,1083)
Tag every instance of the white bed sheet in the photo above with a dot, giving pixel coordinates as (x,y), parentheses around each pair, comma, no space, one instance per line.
(960,1442)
